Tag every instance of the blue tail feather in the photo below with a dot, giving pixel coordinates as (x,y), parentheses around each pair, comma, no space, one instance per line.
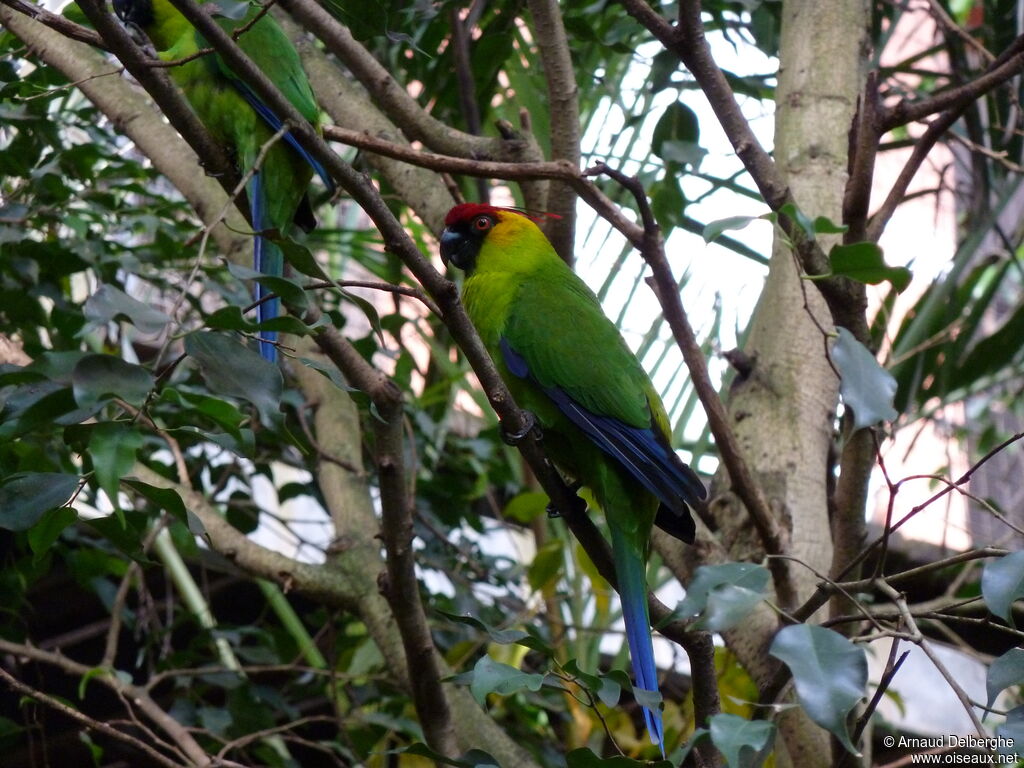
(268,259)
(629,570)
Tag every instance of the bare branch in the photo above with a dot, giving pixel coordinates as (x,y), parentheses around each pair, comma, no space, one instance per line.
(401,587)
(524,171)
(178,734)
(908,620)
(954,103)
(1010,63)
(563,106)
(95,725)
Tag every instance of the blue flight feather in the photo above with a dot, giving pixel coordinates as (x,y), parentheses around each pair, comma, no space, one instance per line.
(640,450)
(629,570)
(275,124)
(268,259)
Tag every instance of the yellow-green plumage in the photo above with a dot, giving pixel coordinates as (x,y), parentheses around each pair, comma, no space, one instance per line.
(566,362)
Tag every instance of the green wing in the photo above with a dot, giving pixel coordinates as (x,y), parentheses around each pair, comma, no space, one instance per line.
(559,328)
(558,338)
(271,50)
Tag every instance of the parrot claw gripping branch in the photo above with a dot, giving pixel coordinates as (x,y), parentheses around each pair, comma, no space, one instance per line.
(276,167)
(603,423)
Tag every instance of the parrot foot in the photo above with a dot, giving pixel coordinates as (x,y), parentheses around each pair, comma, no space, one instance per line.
(515,438)
(554,512)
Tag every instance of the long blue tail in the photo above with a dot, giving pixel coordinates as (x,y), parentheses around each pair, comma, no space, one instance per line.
(268,259)
(630,571)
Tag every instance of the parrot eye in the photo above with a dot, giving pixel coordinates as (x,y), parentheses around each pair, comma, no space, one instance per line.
(482,223)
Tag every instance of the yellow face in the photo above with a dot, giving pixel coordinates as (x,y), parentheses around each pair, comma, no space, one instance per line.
(482,239)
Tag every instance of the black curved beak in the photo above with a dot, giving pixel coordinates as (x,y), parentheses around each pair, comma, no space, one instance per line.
(458,249)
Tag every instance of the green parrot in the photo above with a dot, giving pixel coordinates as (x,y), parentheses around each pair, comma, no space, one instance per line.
(278,189)
(603,423)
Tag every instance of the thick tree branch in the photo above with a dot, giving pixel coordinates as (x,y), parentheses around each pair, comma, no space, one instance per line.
(313,580)
(401,588)
(563,106)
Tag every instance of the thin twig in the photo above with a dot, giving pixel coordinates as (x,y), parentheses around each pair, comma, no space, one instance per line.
(95,725)
(908,619)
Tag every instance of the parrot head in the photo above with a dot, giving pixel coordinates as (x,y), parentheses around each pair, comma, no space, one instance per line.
(480,237)
(134,13)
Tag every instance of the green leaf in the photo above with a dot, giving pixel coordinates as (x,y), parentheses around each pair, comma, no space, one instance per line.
(1002,582)
(44,533)
(231,368)
(97,378)
(289,291)
(113,446)
(865,263)
(603,686)
(867,388)
(743,743)
(230,318)
(722,595)
(109,304)
(300,257)
(1005,671)
(526,507)
(490,676)
(126,533)
(501,636)
(27,496)
(169,501)
(714,229)
(547,565)
(823,225)
(676,136)
(330,371)
(829,671)
(800,218)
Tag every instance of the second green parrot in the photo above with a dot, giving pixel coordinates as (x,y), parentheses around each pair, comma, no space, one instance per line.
(238,119)
(603,423)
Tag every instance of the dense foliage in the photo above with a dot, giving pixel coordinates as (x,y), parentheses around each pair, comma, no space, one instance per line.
(199,551)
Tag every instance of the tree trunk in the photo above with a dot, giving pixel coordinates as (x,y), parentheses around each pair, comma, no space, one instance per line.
(784,411)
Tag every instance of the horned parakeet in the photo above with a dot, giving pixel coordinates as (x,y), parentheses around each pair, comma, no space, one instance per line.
(566,362)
